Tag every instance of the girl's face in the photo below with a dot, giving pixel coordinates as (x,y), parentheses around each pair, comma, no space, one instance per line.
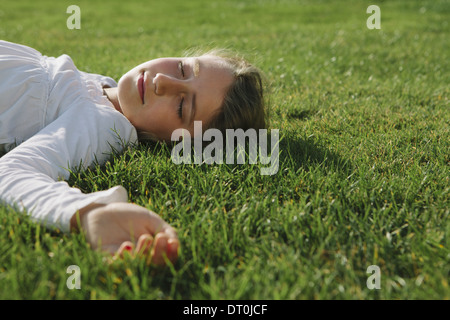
(165,94)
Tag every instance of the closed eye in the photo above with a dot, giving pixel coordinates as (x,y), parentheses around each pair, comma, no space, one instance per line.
(180,109)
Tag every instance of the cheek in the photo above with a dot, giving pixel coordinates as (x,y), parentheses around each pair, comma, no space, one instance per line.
(124,89)
(160,123)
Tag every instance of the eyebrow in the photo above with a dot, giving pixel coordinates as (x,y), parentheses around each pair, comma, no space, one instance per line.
(196,67)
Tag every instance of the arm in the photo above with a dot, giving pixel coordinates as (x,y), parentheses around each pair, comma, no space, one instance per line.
(30,174)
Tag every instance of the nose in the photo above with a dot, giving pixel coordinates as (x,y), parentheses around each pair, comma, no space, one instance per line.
(166,84)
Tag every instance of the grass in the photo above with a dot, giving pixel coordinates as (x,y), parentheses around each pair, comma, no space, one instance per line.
(364,155)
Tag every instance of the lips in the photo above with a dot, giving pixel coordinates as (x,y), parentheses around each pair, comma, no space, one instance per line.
(141,87)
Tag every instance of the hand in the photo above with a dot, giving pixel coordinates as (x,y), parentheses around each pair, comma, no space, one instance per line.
(120,227)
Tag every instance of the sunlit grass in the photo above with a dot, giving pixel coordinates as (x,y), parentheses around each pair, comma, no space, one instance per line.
(364,155)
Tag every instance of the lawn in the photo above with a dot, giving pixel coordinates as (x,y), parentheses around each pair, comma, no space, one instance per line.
(363,180)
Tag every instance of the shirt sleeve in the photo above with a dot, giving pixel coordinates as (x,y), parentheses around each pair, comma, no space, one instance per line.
(31,174)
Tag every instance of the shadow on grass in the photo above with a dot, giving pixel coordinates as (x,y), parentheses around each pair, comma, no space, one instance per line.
(309,154)
(294,152)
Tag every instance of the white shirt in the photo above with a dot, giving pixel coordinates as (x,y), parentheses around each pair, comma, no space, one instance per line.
(54,118)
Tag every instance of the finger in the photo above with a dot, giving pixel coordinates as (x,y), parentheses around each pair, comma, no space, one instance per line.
(125,248)
(159,249)
(144,244)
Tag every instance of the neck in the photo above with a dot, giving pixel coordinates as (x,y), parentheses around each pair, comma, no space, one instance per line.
(111,94)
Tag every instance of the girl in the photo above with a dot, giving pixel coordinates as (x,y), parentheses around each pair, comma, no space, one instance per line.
(54,117)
